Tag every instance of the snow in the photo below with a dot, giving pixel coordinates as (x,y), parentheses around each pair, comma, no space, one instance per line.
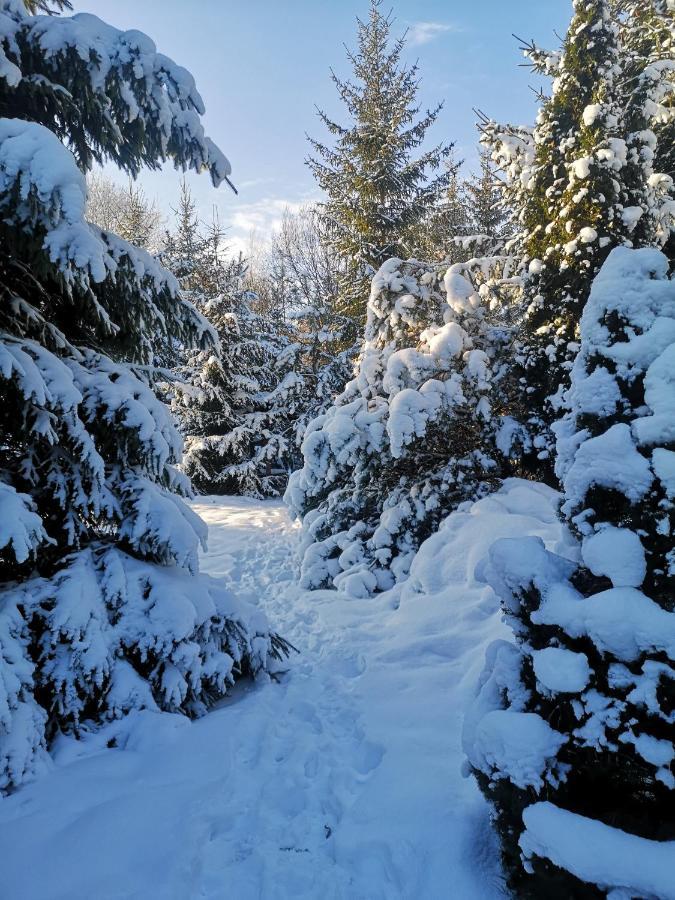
(582,167)
(149,84)
(599,854)
(616,553)
(656,751)
(515,745)
(612,461)
(513,564)
(561,671)
(22,751)
(631,215)
(634,285)
(21,527)
(621,620)
(341,780)
(591,113)
(587,235)
(659,427)
(663,463)
(34,161)
(646,685)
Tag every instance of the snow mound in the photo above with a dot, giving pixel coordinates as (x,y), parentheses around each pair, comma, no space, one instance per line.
(561,671)
(515,745)
(616,553)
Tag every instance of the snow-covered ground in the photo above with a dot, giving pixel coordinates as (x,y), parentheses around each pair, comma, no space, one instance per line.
(342,780)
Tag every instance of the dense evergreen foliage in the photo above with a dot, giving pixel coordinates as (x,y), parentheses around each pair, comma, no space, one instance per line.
(238,403)
(102,609)
(588,687)
(377,192)
(594,667)
(537,339)
(582,182)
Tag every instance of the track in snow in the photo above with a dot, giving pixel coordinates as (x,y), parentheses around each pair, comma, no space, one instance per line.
(302,756)
(361,795)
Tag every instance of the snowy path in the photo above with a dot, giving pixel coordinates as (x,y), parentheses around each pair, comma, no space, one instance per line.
(349,799)
(341,781)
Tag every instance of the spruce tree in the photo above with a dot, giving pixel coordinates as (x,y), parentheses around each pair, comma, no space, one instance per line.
(102,607)
(185,246)
(328,340)
(648,39)
(485,207)
(124,210)
(412,435)
(581,184)
(237,407)
(441,235)
(377,191)
(236,403)
(589,687)
(141,220)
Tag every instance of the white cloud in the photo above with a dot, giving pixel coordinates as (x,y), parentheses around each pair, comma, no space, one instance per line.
(424,32)
(254,182)
(255,221)
(261,215)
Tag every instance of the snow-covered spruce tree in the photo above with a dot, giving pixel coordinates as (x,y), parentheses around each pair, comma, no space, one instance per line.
(439,237)
(648,39)
(377,192)
(485,207)
(572,735)
(584,183)
(185,249)
(411,436)
(237,408)
(102,609)
(236,405)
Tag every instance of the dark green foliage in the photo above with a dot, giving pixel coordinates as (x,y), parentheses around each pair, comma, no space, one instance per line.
(607,768)
(377,192)
(98,550)
(584,181)
(236,403)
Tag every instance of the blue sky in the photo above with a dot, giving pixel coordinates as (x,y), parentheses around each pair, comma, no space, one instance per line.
(263,65)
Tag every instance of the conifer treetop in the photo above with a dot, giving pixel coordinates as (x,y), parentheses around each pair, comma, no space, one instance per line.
(377,191)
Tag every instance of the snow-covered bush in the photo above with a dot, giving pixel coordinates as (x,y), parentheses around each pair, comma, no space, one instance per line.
(413,434)
(589,687)
(101,604)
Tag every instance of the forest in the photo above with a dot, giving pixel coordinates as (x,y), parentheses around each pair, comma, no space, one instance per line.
(343,565)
